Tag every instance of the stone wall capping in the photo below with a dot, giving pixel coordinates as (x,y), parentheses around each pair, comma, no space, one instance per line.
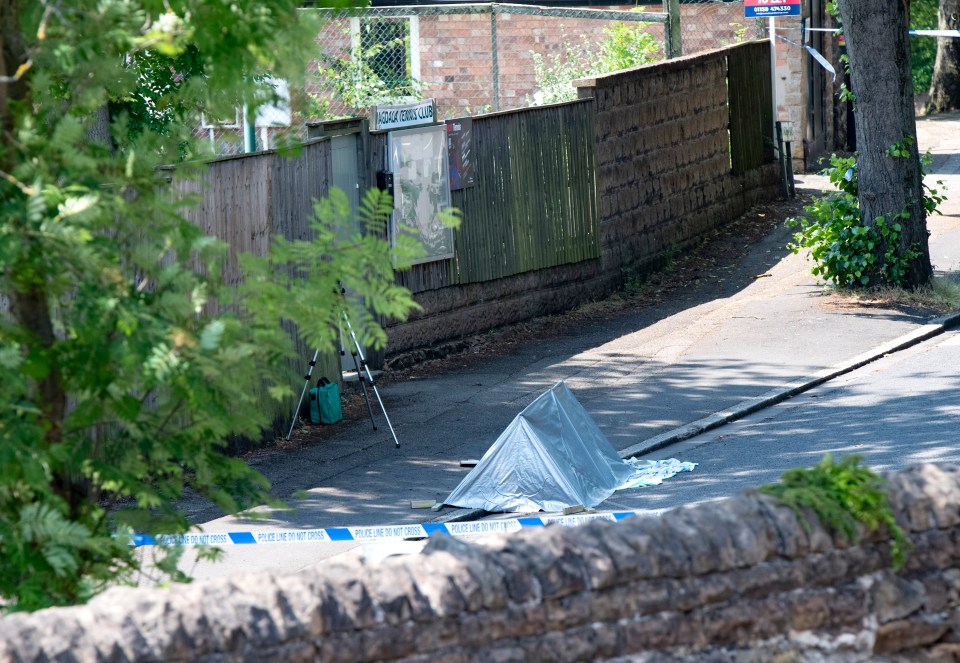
(736,580)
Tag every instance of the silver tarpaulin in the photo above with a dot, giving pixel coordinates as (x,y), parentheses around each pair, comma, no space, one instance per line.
(550,457)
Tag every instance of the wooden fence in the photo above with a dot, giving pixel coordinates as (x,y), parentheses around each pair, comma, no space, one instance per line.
(532,220)
(534,202)
(245,201)
(751,114)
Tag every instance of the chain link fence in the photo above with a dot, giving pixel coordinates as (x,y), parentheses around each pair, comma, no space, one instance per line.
(471,58)
(481,58)
(709,24)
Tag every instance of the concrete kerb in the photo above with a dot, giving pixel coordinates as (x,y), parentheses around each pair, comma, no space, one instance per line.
(932,328)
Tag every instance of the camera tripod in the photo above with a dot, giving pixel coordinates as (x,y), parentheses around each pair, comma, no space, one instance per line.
(363,376)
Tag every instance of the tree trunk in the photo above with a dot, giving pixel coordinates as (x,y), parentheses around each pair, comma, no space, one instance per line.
(98,127)
(12,55)
(945,84)
(881,77)
(29,303)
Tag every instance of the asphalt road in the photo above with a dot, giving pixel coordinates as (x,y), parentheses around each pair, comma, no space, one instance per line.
(901,410)
(762,323)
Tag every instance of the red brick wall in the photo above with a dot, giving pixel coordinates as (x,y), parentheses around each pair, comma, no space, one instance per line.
(456,63)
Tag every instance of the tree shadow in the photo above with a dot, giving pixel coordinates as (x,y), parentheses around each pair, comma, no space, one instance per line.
(458,412)
(911,423)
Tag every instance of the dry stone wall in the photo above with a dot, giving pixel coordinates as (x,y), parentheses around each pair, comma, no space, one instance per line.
(739,580)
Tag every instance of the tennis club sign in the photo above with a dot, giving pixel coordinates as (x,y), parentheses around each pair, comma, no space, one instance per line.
(386,118)
(770,8)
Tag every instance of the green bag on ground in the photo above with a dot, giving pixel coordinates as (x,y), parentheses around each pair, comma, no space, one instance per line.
(325,403)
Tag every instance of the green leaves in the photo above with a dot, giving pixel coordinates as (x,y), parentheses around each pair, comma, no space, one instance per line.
(625,45)
(901,150)
(302,280)
(846,251)
(844,496)
(128,359)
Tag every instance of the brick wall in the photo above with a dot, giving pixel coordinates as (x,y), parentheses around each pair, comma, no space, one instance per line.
(709,25)
(739,580)
(664,181)
(456,60)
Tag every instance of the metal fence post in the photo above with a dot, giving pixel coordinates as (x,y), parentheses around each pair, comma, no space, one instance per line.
(672,29)
(495,56)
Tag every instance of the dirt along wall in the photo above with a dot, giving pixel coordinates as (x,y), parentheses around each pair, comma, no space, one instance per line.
(737,580)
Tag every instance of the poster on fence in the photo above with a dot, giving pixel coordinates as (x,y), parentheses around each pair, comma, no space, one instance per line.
(421,185)
(459,148)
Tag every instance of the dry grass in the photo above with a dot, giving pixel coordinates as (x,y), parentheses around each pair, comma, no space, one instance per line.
(942,296)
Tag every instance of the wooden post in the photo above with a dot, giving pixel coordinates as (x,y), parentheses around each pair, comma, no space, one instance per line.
(773,71)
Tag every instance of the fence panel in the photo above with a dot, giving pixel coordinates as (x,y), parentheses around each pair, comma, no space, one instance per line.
(234,205)
(751,112)
(245,201)
(534,203)
(297,181)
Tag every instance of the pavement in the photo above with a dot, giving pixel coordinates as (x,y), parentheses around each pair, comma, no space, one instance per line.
(734,375)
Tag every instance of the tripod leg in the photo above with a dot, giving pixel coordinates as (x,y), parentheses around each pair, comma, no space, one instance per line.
(384,410)
(363,388)
(296,413)
(373,385)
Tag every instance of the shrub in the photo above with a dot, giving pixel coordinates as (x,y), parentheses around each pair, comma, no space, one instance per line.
(843,495)
(844,248)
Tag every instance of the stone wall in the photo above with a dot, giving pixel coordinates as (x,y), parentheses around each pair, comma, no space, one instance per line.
(739,580)
(664,181)
(664,158)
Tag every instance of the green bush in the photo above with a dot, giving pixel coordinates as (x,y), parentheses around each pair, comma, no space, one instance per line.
(842,247)
(923,50)
(128,355)
(625,45)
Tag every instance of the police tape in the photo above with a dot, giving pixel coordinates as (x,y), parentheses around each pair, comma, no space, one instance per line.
(916,33)
(383,532)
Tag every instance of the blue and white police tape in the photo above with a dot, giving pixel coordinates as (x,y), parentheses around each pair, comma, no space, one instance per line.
(383,532)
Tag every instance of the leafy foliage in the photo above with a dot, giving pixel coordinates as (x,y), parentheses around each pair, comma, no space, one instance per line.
(843,495)
(127,359)
(843,248)
(625,45)
(149,107)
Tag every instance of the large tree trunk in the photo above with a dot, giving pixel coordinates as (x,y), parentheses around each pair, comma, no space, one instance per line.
(26,287)
(879,49)
(945,84)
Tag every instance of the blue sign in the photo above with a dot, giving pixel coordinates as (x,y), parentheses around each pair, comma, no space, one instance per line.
(770,8)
